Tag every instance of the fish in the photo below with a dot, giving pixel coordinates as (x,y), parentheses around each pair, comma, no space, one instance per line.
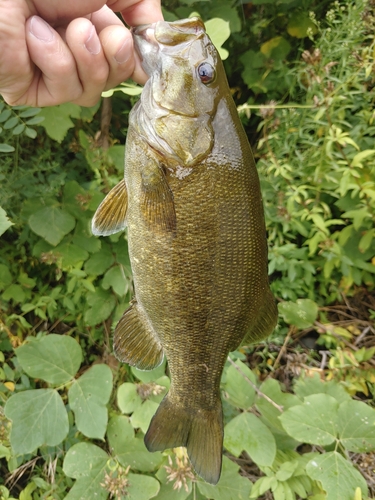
(191,201)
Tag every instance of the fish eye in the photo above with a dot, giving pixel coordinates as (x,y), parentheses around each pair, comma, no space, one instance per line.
(206,73)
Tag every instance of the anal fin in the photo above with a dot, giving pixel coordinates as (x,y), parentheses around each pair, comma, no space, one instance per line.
(135,342)
(110,216)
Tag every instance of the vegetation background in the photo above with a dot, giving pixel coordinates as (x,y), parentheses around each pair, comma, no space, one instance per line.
(299,408)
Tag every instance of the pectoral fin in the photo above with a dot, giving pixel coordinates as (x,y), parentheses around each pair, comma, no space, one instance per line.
(135,342)
(156,202)
(110,215)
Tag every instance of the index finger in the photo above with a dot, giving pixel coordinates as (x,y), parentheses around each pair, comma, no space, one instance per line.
(136,12)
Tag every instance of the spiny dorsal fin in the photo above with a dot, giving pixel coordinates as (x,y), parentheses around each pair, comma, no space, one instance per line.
(135,342)
(110,215)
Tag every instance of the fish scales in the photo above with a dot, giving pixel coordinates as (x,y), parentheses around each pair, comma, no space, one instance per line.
(196,236)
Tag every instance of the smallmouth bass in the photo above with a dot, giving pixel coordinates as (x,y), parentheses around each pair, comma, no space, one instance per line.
(191,200)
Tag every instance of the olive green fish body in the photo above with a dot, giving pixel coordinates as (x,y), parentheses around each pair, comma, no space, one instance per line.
(196,237)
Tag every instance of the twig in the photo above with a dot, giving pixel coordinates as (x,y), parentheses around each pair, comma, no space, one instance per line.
(256,389)
(282,350)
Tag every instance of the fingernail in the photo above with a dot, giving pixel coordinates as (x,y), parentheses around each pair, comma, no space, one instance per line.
(124,52)
(41,30)
(92,44)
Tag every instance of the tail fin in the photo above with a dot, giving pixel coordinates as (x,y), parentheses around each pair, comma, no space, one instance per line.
(200,431)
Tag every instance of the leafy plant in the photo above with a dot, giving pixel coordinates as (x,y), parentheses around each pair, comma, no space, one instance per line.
(298,423)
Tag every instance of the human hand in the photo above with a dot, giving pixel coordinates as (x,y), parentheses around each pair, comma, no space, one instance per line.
(82,51)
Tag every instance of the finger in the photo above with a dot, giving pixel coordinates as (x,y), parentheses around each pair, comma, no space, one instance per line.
(92,66)
(117,44)
(56,11)
(57,79)
(136,12)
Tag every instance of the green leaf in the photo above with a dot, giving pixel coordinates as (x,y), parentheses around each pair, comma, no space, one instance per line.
(143,414)
(86,463)
(29,112)
(246,432)
(218,30)
(115,277)
(101,305)
(19,129)
(5,276)
(270,413)
(30,132)
(231,485)
(142,487)
(128,398)
(38,418)
(70,254)
(53,358)
(88,397)
(276,48)
(306,386)
(299,24)
(240,393)
(14,292)
(356,426)
(99,262)
(57,120)
(315,421)
(52,224)
(301,313)
(6,148)
(11,123)
(338,476)
(151,375)
(128,449)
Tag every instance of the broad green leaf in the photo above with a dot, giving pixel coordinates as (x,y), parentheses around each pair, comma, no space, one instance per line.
(141,487)
(299,24)
(116,279)
(52,224)
(14,292)
(314,421)
(53,358)
(247,433)
(38,418)
(99,262)
(88,397)
(57,119)
(101,305)
(240,392)
(301,313)
(4,221)
(305,386)
(86,463)
(128,449)
(223,10)
(338,476)
(143,414)
(356,426)
(128,398)
(231,485)
(270,414)
(218,30)
(276,48)
(70,254)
